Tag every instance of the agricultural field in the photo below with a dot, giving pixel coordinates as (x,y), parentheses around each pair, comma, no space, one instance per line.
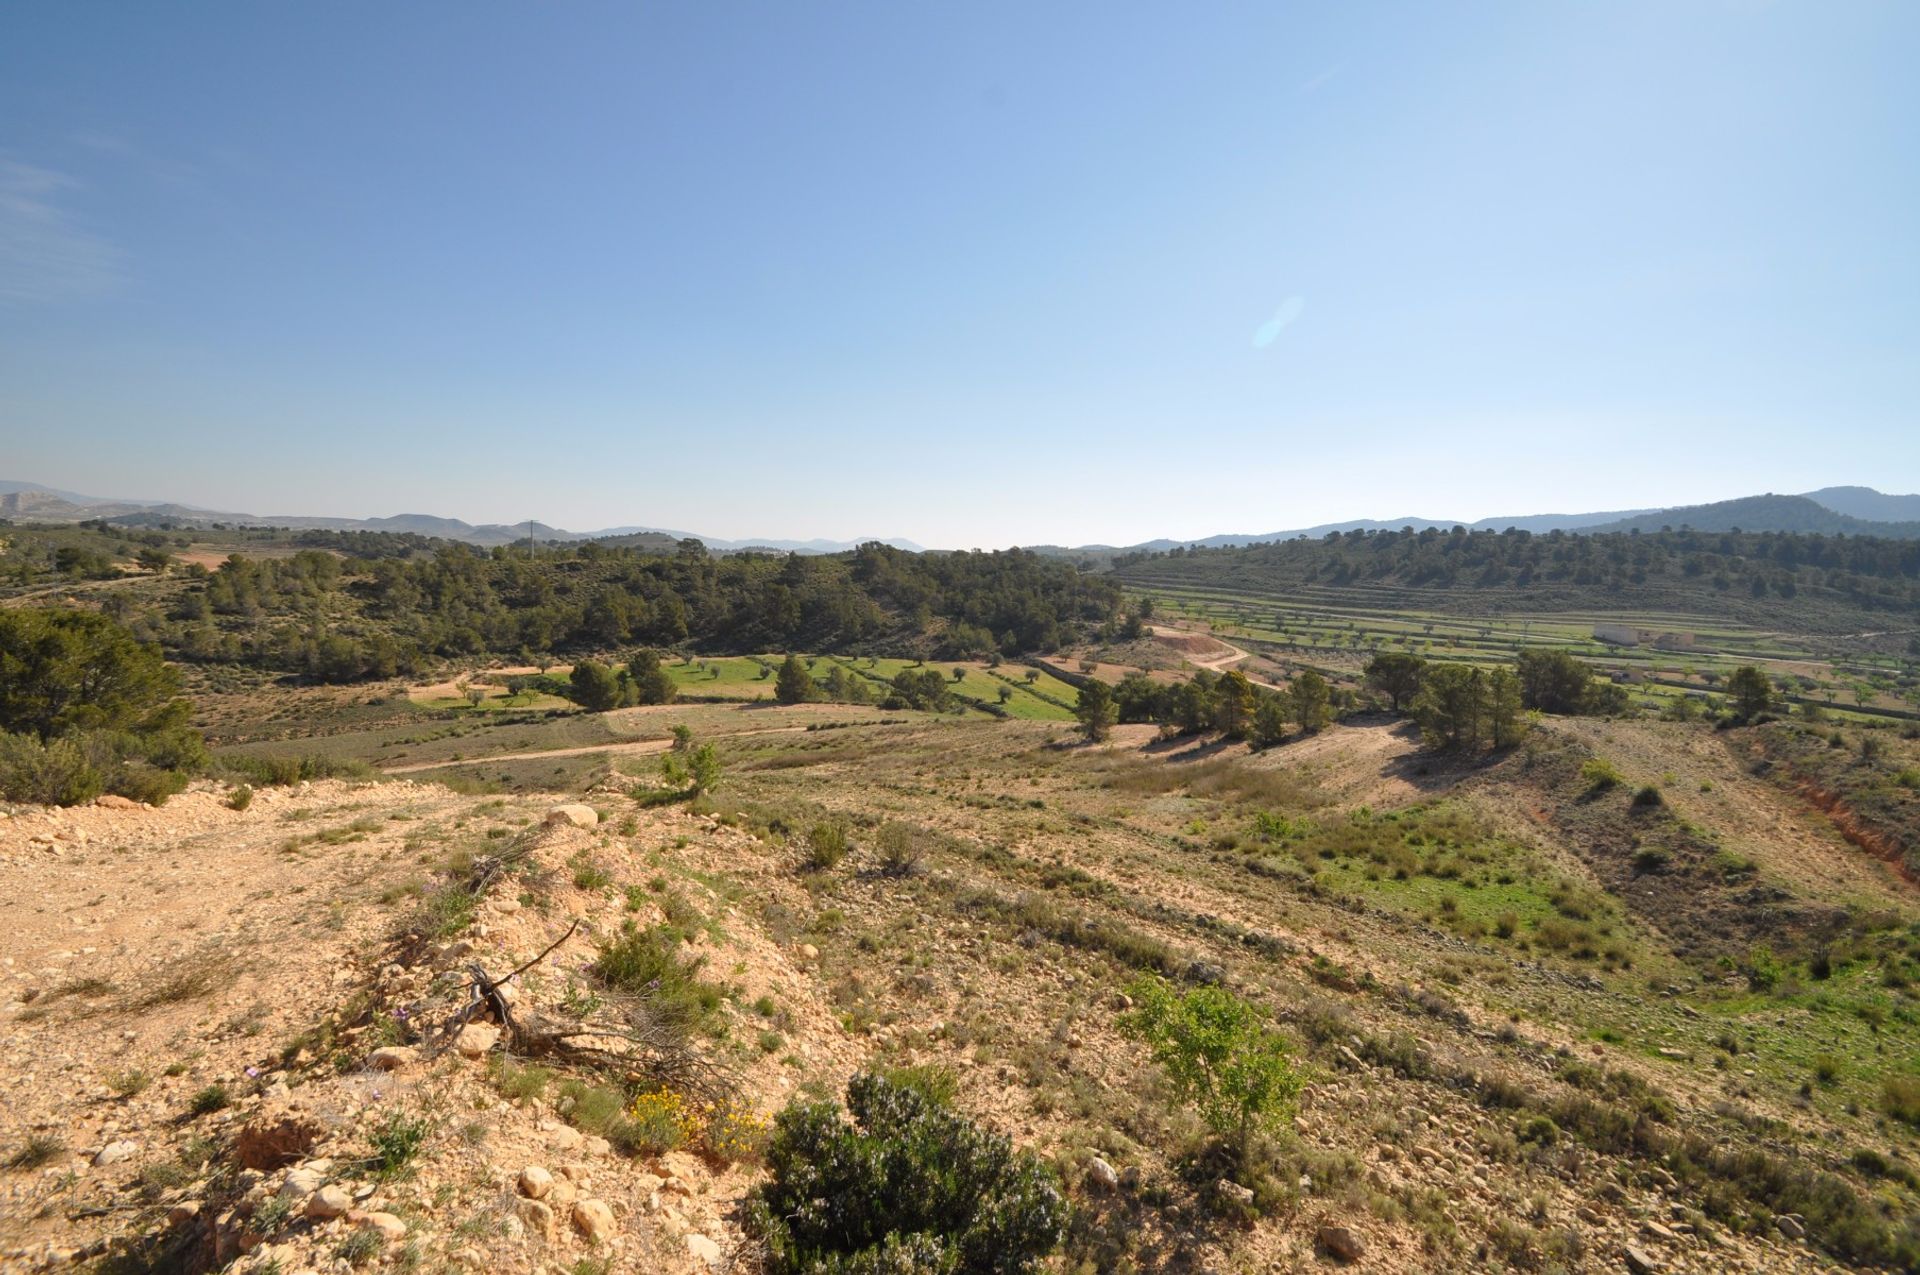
(1670,653)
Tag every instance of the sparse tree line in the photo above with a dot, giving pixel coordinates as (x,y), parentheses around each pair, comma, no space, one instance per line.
(1458,707)
(1226,702)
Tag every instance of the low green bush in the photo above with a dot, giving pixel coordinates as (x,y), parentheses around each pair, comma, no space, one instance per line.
(909,1185)
(826,845)
(647,963)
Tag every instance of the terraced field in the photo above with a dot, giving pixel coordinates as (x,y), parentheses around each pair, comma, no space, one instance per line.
(1670,653)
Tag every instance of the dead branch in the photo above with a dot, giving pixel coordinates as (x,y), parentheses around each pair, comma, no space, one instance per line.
(632,1037)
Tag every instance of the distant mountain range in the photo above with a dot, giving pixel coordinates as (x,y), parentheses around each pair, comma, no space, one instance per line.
(31,502)
(1853,511)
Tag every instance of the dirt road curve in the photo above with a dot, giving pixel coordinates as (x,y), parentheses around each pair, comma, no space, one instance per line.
(1219,662)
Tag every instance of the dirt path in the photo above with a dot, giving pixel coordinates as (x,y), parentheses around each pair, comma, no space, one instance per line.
(71,588)
(1186,642)
(621,747)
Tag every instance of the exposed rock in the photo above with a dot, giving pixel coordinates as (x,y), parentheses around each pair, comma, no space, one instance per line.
(1640,1262)
(387,1224)
(594,1219)
(300,1183)
(705,1249)
(1339,1242)
(808,952)
(1234,1191)
(329,1201)
(1101,1175)
(476,1039)
(1791,1225)
(535,1182)
(114,801)
(537,1216)
(678,1166)
(575,813)
(115,1152)
(565,1138)
(393,1057)
(593,1144)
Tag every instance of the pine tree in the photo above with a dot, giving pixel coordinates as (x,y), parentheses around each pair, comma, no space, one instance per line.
(1270,719)
(1095,710)
(1310,698)
(652,684)
(795,684)
(1233,705)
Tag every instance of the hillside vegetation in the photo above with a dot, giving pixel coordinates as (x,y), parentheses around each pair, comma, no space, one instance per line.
(1825,584)
(342,607)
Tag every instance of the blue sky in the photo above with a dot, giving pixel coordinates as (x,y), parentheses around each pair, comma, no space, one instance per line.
(971,274)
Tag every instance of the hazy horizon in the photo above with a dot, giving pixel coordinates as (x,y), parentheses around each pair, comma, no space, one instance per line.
(978,276)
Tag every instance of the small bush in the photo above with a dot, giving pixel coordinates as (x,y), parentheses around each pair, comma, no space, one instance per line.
(360,1246)
(826,846)
(1600,776)
(900,852)
(1647,796)
(660,1121)
(40,1149)
(209,1100)
(397,1141)
(271,1214)
(125,1084)
(1900,1098)
(280,772)
(909,1186)
(61,772)
(1220,1055)
(1651,859)
(240,798)
(588,875)
(647,964)
(520,1080)
(445,911)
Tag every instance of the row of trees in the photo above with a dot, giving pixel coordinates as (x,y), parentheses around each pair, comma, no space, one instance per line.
(1226,702)
(1457,706)
(598,687)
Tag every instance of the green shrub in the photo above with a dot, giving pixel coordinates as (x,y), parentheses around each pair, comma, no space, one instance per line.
(909,1186)
(126,1084)
(397,1141)
(648,964)
(1647,796)
(279,772)
(211,1099)
(1900,1098)
(240,798)
(1220,1055)
(826,845)
(1600,776)
(61,772)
